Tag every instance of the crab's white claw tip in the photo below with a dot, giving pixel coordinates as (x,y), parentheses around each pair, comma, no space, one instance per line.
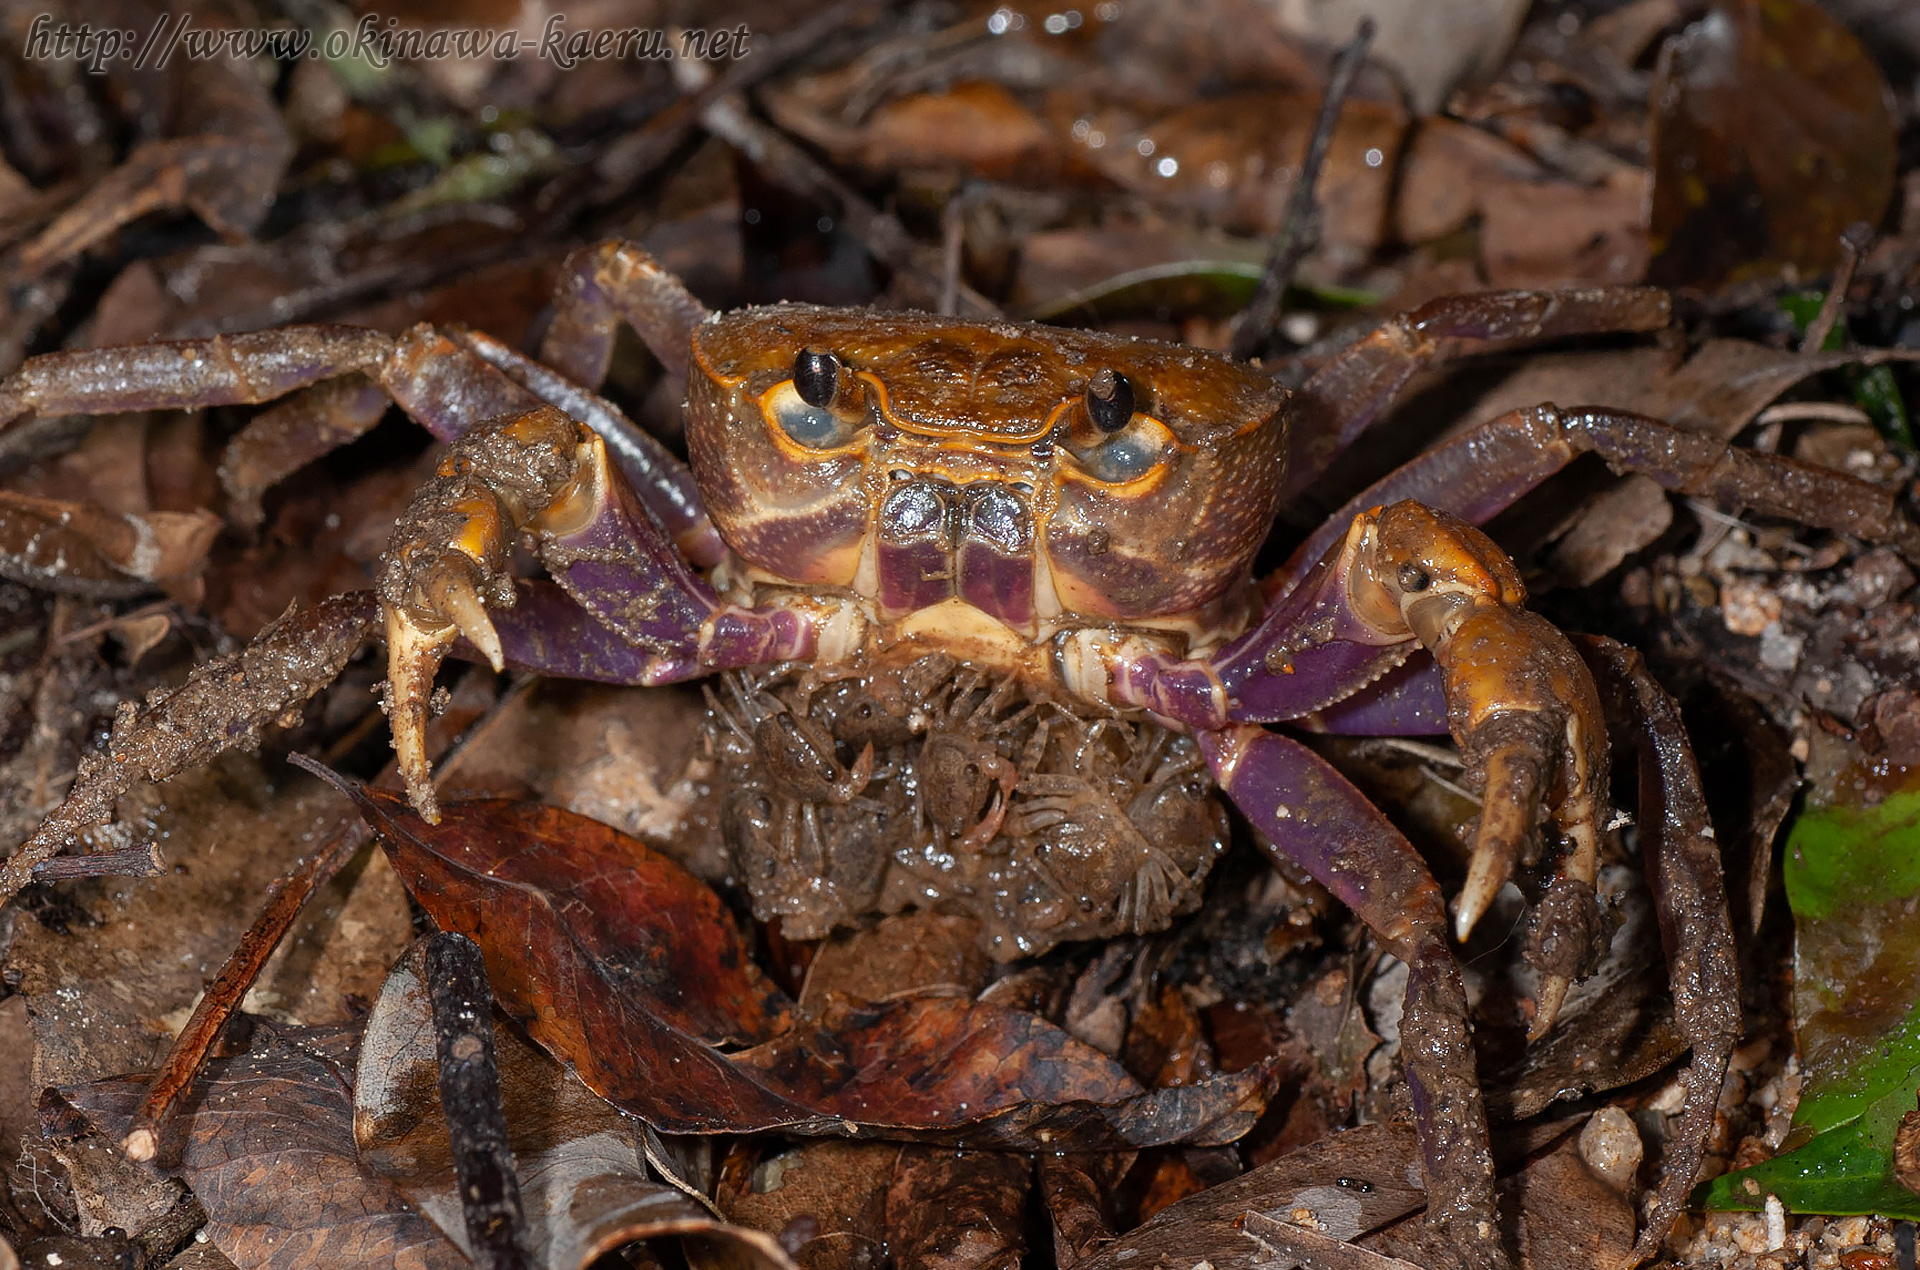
(469,615)
(1547,1003)
(413,655)
(1486,874)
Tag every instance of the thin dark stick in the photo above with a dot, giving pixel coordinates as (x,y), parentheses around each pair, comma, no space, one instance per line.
(229,988)
(953,234)
(456,978)
(128,862)
(1853,245)
(1300,228)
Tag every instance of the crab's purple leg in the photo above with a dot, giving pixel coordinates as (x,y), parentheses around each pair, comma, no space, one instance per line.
(604,284)
(663,482)
(1486,469)
(287,436)
(224,370)
(445,386)
(1409,700)
(1359,383)
(440,384)
(1519,702)
(544,474)
(1313,817)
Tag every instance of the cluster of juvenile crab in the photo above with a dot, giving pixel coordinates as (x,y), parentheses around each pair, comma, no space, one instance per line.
(993,583)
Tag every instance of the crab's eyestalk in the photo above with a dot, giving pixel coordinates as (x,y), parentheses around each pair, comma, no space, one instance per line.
(1109,400)
(816,377)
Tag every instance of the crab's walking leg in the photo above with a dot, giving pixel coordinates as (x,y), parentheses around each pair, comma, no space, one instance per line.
(543,474)
(1684,873)
(1312,816)
(225,370)
(1519,702)
(1485,470)
(1360,382)
(445,386)
(599,287)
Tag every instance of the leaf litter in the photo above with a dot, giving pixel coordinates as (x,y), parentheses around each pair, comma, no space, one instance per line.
(1531,156)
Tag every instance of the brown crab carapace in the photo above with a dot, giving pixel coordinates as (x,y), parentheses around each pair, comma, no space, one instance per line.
(1070,513)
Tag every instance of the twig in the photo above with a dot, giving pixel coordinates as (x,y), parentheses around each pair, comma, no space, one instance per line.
(1853,245)
(128,862)
(1310,1247)
(1300,228)
(1821,411)
(918,266)
(229,988)
(456,979)
(953,235)
(633,157)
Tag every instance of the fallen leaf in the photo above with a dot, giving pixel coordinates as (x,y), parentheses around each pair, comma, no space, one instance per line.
(584,1182)
(1773,131)
(1347,1184)
(826,1200)
(267,1145)
(629,969)
(83,549)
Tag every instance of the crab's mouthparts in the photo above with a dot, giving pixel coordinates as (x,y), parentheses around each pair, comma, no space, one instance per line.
(934,540)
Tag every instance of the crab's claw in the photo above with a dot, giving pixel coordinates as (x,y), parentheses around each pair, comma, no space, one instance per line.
(446,564)
(1521,704)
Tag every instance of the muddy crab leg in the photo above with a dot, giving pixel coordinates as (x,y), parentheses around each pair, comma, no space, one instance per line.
(601,286)
(1312,816)
(1485,470)
(1684,872)
(224,703)
(1353,389)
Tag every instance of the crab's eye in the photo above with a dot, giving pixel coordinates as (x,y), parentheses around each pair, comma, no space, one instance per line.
(817,427)
(1113,442)
(1128,455)
(816,377)
(1109,401)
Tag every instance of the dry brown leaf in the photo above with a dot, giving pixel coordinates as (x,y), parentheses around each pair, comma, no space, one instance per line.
(584,1181)
(1773,131)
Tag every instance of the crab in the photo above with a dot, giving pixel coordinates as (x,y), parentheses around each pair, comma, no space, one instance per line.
(1071,511)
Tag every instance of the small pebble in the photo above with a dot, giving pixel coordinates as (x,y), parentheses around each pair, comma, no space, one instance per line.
(1611,1147)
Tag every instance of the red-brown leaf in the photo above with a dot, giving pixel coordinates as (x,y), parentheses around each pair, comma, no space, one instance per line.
(269,1150)
(628,968)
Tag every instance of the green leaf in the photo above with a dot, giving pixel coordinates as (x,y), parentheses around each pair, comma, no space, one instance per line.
(1874,388)
(1853,879)
(1876,392)
(1841,1173)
